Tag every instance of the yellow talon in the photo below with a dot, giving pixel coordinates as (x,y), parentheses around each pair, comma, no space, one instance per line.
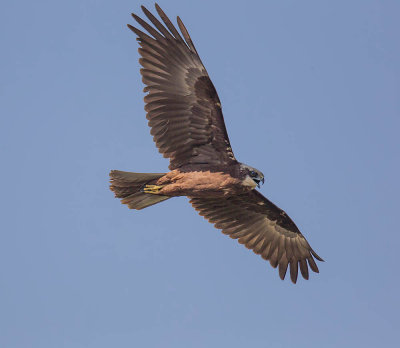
(154,189)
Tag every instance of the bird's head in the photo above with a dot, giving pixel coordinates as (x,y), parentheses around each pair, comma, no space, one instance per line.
(251,176)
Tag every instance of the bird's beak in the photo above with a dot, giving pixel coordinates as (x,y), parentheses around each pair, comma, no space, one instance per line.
(258,182)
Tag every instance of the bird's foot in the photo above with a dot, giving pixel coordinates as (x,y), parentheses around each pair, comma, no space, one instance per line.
(154,189)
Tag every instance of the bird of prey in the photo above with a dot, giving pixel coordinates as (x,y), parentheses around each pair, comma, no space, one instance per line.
(185,117)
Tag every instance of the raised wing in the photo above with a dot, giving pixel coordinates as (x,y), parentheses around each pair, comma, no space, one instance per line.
(182,105)
(262,227)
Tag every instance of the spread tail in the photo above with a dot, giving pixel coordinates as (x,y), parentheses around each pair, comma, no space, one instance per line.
(128,186)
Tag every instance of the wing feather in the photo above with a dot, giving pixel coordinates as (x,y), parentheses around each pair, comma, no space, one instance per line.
(180,92)
(262,227)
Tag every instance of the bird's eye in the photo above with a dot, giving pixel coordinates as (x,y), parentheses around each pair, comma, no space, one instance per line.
(253,174)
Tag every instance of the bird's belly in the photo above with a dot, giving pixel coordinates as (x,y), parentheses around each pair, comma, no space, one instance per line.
(200,184)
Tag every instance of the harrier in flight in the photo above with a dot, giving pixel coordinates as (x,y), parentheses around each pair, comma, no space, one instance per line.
(185,117)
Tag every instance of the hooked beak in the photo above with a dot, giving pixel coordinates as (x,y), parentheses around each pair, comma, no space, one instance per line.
(258,182)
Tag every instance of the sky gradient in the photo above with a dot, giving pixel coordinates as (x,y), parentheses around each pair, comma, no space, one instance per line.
(310,95)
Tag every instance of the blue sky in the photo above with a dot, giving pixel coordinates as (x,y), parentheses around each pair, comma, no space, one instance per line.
(310,94)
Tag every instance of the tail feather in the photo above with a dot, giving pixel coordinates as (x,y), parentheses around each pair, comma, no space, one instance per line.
(140,200)
(127,185)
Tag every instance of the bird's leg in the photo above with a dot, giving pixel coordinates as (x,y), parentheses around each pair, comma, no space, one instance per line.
(154,189)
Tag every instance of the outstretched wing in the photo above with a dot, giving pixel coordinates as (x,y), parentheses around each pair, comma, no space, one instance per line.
(182,105)
(262,227)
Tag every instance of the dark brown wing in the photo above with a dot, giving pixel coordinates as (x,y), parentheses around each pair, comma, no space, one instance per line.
(182,105)
(262,227)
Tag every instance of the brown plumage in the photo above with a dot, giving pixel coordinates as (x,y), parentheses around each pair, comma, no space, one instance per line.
(182,105)
(187,125)
(262,227)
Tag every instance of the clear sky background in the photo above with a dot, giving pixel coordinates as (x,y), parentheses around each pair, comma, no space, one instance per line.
(310,94)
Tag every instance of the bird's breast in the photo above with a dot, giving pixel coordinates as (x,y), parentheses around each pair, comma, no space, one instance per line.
(201,184)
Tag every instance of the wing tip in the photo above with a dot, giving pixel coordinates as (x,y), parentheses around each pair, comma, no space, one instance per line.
(282,270)
(316,256)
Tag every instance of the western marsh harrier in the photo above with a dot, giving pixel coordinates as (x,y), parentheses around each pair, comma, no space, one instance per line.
(185,117)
